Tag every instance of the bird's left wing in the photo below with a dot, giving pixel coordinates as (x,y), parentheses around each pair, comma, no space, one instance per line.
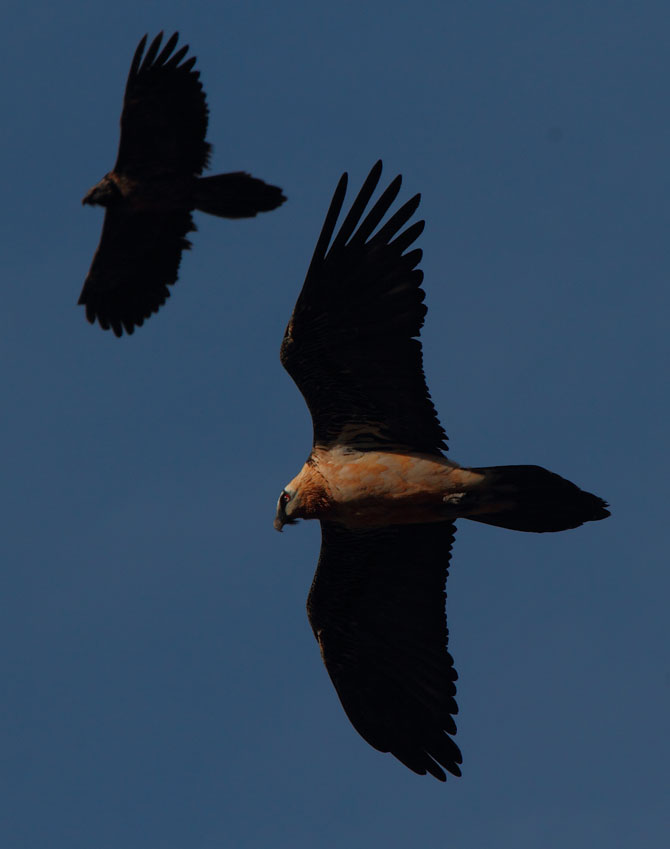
(351,343)
(377,610)
(137,258)
(165,115)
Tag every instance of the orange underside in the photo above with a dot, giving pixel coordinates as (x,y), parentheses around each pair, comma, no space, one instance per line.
(366,489)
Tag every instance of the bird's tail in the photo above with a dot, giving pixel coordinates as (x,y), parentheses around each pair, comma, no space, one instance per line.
(236,195)
(530,498)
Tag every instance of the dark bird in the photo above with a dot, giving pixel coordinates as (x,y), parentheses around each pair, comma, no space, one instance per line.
(385,493)
(154,188)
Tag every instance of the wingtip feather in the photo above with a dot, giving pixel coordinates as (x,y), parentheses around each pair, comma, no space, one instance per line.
(137,56)
(152,52)
(167,49)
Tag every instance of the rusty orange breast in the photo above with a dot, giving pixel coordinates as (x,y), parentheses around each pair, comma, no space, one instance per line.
(379,488)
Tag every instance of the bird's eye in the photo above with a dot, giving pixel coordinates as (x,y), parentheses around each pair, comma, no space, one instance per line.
(285,498)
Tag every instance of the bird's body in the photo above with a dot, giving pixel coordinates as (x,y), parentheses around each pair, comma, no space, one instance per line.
(379,482)
(156,195)
(370,489)
(155,186)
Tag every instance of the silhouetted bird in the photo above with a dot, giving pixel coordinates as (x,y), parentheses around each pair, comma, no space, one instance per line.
(155,186)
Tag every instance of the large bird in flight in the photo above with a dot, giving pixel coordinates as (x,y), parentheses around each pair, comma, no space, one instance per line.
(385,493)
(154,188)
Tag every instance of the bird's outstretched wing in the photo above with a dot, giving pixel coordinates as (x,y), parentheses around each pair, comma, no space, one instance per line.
(351,343)
(164,118)
(377,610)
(137,258)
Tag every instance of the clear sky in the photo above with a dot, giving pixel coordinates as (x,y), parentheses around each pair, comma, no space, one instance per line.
(162,688)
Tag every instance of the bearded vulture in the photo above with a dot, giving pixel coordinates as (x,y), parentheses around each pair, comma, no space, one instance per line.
(380,484)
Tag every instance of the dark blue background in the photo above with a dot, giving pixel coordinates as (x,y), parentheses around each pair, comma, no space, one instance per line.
(162,686)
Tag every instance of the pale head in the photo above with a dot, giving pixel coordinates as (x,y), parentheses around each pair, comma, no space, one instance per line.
(287,508)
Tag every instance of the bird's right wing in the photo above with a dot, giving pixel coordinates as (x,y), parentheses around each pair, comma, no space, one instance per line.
(137,258)
(377,610)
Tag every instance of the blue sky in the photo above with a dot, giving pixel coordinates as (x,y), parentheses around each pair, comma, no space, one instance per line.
(162,686)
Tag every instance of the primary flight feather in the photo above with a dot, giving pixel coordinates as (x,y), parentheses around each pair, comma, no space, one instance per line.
(154,187)
(379,482)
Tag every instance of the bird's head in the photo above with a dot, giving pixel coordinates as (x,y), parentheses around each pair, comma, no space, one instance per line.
(105,193)
(287,508)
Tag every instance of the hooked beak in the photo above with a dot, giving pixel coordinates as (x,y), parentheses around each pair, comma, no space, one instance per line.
(104,193)
(278,524)
(91,197)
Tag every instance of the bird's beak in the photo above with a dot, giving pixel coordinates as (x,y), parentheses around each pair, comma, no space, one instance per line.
(278,524)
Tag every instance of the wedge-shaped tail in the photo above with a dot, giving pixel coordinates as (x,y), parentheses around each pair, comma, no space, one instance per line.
(530,498)
(236,195)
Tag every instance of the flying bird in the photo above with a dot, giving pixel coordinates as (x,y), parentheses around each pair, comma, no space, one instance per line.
(154,188)
(380,484)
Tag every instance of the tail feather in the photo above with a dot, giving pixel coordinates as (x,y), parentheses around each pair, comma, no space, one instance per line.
(530,498)
(236,195)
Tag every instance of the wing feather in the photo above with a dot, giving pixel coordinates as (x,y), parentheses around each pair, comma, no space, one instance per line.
(351,343)
(137,58)
(164,55)
(151,53)
(328,228)
(376,607)
(377,212)
(358,207)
